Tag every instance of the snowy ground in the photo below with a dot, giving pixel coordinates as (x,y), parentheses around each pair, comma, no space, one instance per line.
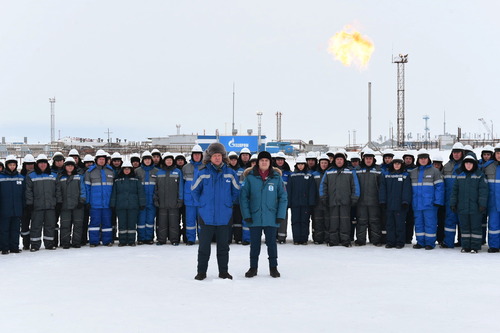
(151,289)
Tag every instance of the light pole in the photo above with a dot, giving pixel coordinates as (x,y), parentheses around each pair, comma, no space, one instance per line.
(259,127)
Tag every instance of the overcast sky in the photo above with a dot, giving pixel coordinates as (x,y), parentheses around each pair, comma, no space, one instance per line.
(141,67)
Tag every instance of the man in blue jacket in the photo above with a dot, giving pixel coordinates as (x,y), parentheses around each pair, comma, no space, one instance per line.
(215,188)
(11,206)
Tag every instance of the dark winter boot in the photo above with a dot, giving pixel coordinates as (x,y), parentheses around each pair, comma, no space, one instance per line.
(418,246)
(428,247)
(225,275)
(493,250)
(465,250)
(200,276)
(274,272)
(251,272)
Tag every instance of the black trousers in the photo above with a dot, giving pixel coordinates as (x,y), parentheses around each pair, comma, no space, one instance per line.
(340,225)
(221,233)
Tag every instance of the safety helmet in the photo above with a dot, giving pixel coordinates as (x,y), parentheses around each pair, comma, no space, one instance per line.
(245,151)
(497,147)
(300,159)
(281,155)
(146,153)
(88,158)
(368,152)
(311,155)
(10,158)
(42,158)
(167,154)
(116,156)
(387,152)
(458,146)
(487,149)
(324,157)
(197,149)
(437,158)
(70,160)
(29,159)
(127,164)
(398,157)
(135,157)
(355,156)
(254,157)
(232,154)
(58,156)
(73,152)
(101,153)
(155,152)
(468,147)
(422,152)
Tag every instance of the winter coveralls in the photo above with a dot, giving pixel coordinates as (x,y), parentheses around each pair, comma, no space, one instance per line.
(450,172)
(99,185)
(492,172)
(41,195)
(368,208)
(146,222)
(127,198)
(469,199)
(189,172)
(395,195)
(169,196)
(301,190)
(71,194)
(321,221)
(11,209)
(428,195)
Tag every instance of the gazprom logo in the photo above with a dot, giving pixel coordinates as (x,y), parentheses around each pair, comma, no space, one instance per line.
(232,144)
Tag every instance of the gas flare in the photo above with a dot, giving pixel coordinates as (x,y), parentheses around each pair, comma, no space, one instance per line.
(350,47)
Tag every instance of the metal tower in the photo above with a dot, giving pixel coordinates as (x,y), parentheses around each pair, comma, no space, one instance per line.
(52,102)
(426,129)
(278,126)
(259,124)
(401,60)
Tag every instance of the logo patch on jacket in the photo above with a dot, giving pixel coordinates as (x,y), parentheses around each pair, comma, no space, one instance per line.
(271,187)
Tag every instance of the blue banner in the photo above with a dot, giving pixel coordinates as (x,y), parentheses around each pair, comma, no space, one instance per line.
(237,143)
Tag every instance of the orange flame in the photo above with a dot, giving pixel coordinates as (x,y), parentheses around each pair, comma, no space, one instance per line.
(348,46)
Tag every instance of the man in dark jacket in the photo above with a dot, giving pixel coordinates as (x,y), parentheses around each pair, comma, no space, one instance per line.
(215,188)
(339,190)
(368,211)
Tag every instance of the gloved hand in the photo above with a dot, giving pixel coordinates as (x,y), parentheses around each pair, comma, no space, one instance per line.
(142,207)
(180,203)
(249,220)
(80,205)
(482,209)
(30,207)
(279,221)
(405,205)
(453,209)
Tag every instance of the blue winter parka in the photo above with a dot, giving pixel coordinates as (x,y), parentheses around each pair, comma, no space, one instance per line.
(263,201)
(395,189)
(214,190)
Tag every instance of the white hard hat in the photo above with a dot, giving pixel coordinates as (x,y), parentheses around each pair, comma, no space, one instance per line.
(387,152)
(423,151)
(487,148)
(300,159)
(70,160)
(155,151)
(253,157)
(88,158)
(245,151)
(437,158)
(497,147)
(146,153)
(29,159)
(324,157)
(58,156)
(398,157)
(10,158)
(458,146)
(116,156)
(42,158)
(135,155)
(167,154)
(197,149)
(368,152)
(330,152)
(311,155)
(73,152)
(469,157)
(355,156)
(232,154)
(468,147)
(281,155)
(101,153)
(127,164)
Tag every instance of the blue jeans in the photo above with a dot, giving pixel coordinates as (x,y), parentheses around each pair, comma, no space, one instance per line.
(255,243)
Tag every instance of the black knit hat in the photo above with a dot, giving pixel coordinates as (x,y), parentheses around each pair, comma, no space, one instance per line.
(264,154)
